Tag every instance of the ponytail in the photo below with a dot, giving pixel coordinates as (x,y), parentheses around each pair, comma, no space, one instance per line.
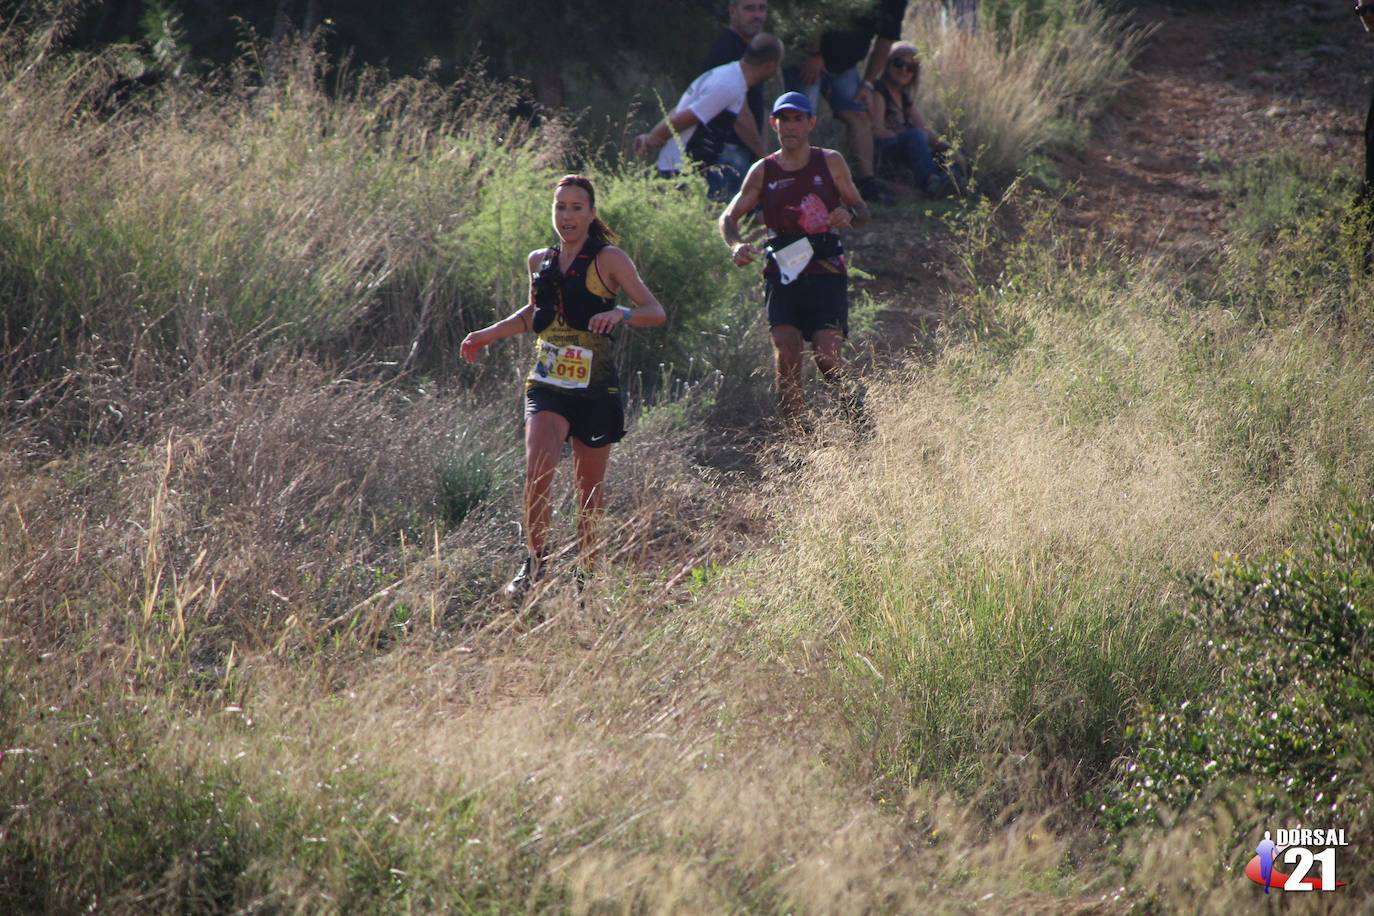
(601,232)
(598,230)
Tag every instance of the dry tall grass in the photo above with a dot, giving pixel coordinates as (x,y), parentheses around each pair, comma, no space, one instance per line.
(996,574)
(589,768)
(1006,96)
(201,214)
(248,663)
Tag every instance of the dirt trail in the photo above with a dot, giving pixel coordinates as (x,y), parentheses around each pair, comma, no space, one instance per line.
(1214,87)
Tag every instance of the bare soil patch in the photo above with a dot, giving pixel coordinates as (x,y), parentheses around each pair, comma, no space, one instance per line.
(1216,86)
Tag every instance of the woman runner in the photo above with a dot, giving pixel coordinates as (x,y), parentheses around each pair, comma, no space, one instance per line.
(572,390)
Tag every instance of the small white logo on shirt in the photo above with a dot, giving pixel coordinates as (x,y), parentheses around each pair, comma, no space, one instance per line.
(779,183)
(816,180)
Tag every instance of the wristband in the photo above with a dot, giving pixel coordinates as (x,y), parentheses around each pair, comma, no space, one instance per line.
(625,312)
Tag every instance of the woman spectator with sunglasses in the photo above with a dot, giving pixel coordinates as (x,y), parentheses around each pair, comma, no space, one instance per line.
(900,134)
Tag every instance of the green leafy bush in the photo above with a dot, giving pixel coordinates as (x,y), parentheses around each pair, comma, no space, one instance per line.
(1291,639)
(1274,192)
(466,480)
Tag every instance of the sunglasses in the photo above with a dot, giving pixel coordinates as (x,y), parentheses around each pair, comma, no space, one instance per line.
(905,65)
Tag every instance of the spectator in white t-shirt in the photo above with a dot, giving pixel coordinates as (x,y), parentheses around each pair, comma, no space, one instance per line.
(704,118)
(746,19)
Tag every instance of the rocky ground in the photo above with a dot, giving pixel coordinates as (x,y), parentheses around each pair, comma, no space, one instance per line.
(1214,87)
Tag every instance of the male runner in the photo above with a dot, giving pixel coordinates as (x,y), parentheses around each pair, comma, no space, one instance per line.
(806,193)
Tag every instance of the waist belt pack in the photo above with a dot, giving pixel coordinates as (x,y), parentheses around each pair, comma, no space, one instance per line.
(791,259)
(792,253)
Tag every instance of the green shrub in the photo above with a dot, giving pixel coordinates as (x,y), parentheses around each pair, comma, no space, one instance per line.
(668,229)
(466,480)
(1290,715)
(1277,191)
(986,662)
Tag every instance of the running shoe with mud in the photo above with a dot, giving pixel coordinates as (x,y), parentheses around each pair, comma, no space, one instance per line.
(530,573)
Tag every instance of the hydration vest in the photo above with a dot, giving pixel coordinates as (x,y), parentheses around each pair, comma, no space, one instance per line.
(568,356)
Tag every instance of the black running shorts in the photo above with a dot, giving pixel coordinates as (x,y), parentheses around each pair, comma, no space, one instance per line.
(810,303)
(596,420)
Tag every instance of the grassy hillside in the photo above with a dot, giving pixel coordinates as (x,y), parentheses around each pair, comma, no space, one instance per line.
(252,516)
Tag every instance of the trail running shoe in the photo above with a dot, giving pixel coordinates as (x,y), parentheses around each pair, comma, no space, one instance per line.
(872,191)
(939,186)
(530,573)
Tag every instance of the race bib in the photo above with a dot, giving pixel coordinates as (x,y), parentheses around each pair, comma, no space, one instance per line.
(565,367)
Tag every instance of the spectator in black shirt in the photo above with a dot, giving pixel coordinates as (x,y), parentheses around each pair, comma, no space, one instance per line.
(746,18)
(832,69)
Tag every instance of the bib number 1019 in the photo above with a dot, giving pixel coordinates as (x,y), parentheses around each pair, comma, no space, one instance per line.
(564,367)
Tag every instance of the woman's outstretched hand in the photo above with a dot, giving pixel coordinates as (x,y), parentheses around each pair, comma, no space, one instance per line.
(471,344)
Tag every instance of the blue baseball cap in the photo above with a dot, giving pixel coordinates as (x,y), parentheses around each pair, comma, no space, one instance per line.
(796,101)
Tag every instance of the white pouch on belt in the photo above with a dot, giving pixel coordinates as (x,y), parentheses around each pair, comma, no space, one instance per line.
(792,259)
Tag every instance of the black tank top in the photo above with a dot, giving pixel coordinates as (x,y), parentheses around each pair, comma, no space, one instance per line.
(567,356)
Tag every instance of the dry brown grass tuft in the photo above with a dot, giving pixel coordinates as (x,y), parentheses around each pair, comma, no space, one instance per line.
(1007,97)
(258,505)
(627,778)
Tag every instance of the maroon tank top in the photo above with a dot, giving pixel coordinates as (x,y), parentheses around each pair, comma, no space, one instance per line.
(797,204)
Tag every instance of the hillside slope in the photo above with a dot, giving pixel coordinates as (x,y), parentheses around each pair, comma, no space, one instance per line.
(247,664)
